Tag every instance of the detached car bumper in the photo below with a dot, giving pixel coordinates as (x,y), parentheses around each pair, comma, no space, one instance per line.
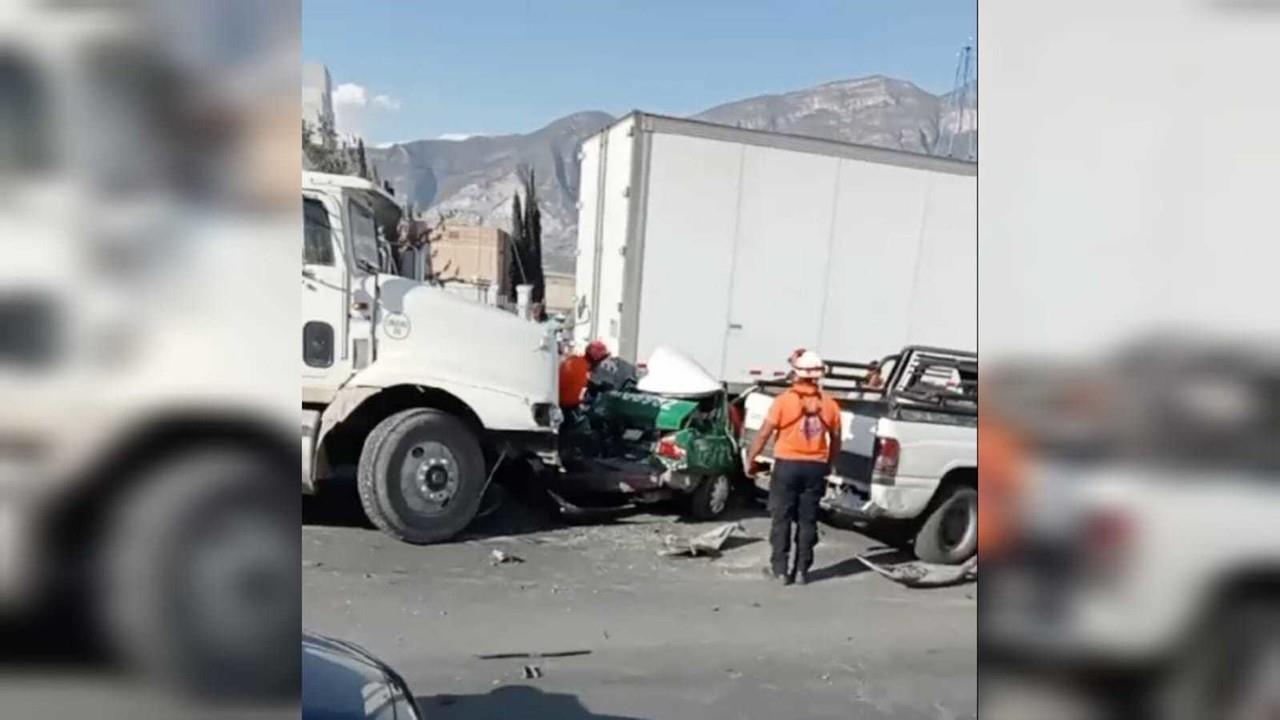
(627,477)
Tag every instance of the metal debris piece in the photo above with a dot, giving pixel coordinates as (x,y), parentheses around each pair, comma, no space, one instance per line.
(532,655)
(498,557)
(532,672)
(918,574)
(708,543)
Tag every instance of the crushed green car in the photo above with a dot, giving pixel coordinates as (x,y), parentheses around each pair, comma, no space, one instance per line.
(673,435)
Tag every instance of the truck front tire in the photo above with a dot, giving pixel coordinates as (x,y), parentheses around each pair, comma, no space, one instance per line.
(421,476)
(949,534)
(198,574)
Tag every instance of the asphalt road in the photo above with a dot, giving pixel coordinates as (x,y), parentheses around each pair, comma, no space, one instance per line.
(665,637)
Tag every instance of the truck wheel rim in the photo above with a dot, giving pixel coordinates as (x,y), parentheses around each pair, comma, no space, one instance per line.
(233,575)
(719,494)
(430,472)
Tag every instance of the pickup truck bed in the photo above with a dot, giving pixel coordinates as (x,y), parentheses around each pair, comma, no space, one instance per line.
(907,449)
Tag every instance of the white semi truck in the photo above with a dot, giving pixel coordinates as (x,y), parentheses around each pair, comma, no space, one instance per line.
(146,452)
(417,392)
(738,246)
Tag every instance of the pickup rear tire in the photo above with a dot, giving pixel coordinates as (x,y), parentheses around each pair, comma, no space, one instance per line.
(949,534)
(710,499)
(421,476)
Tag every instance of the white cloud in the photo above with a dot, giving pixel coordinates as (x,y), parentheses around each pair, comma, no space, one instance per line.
(349,95)
(386,102)
(354,106)
(456,136)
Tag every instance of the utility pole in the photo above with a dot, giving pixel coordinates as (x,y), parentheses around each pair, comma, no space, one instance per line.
(957,114)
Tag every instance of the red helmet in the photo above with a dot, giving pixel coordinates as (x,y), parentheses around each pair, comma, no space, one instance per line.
(597,351)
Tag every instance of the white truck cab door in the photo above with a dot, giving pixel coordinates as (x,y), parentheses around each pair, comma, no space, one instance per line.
(326,355)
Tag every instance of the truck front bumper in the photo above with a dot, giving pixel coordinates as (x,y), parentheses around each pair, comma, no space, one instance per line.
(544,447)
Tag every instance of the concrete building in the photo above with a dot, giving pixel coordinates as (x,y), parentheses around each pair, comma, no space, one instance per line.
(471,254)
(317,94)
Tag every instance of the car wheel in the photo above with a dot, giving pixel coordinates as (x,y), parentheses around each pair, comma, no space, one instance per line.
(949,534)
(710,499)
(197,580)
(421,476)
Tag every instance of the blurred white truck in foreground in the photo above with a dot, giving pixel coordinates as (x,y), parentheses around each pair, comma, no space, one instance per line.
(146,458)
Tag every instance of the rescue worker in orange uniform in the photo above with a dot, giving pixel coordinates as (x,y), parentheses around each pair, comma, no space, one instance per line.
(1000,470)
(575,374)
(806,422)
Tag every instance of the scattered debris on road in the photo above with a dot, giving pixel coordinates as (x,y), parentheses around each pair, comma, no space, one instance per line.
(708,543)
(532,672)
(498,557)
(532,655)
(918,574)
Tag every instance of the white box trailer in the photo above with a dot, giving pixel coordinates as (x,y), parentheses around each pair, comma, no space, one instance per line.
(738,246)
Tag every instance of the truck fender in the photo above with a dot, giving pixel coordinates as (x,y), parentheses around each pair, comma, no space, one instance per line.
(345,402)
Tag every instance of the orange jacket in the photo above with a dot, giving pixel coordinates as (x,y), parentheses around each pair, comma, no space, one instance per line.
(1001,466)
(574,373)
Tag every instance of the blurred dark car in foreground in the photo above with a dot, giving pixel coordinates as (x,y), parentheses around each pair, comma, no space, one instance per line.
(343,681)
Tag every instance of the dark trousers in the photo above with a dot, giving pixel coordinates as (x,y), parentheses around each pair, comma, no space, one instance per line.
(794,491)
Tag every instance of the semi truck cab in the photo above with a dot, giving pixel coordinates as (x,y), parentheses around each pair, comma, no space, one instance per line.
(417,393)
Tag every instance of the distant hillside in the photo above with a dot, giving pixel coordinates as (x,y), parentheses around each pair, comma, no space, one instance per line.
(475,177)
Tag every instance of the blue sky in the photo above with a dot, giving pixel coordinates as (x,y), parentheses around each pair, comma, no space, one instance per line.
(424,68)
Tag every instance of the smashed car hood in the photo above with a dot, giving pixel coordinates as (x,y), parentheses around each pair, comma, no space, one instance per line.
(675,375)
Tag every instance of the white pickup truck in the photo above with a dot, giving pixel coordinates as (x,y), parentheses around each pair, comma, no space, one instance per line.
(1149,527)
(910,446)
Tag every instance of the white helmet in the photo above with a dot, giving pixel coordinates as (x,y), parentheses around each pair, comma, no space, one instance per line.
(808,365)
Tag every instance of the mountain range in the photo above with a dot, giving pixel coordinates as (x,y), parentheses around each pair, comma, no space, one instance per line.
(473,179)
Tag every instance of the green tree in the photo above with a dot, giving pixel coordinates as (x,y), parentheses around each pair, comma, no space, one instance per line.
(532,227)
(515,250)
(323,150)
(362,161)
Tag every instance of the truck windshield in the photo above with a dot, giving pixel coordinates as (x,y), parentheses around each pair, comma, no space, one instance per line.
(364,237)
